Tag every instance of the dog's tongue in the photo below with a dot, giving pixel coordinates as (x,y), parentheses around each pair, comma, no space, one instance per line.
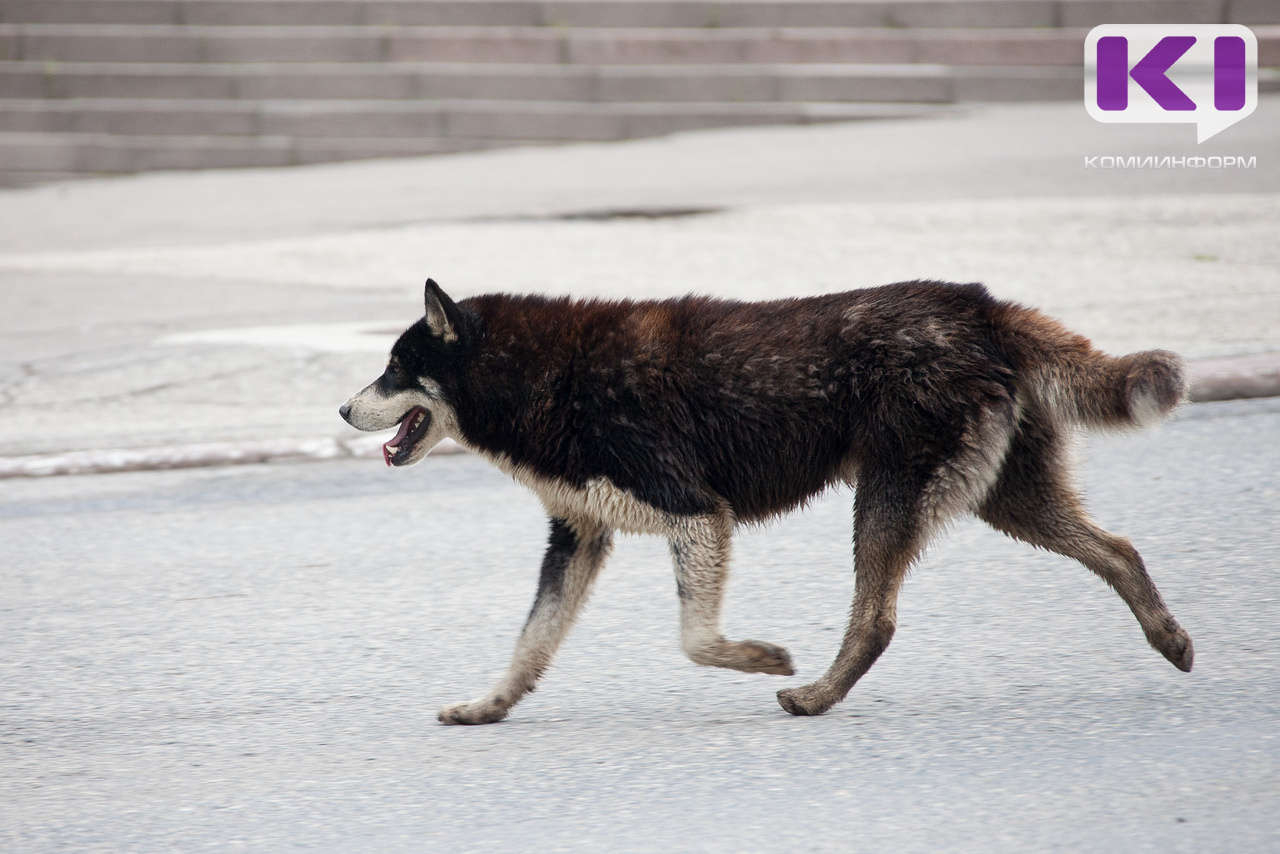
(405,426)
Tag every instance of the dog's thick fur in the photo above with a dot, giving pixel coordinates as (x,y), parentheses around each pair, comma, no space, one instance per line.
(685,417)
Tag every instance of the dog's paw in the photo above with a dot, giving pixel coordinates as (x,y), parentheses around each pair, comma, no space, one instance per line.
(806,700)
(474,712)
(759,657)
(1176,646)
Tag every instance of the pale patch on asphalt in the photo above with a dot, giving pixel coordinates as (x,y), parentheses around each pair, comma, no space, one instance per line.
(375,337)
(1198,274)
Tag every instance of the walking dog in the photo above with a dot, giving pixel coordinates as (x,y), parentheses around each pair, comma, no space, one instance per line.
(686,417)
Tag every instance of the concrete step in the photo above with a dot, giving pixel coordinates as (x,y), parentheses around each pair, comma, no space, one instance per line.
(30,157)
(641,13)
(599,46)
(511,120)
(614,13)
(106,86)
(415,81)
(169,44)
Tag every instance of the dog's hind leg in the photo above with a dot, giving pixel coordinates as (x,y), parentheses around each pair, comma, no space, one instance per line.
(700,547)
(888,533)
(575,553)
(1033,501)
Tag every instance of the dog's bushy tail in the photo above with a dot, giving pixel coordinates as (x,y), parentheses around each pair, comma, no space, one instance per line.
(1073,383)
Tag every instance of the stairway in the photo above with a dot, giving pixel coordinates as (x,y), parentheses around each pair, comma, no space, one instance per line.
(117,86)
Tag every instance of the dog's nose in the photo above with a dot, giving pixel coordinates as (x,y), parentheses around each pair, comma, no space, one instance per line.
(344,410)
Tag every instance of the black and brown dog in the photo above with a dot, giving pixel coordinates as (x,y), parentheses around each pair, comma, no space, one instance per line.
(685,417)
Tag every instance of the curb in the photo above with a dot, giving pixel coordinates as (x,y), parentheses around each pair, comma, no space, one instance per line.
(1236,378)
(112,460)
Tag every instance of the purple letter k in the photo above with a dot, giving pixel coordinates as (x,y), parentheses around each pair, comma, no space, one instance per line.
(1149,73)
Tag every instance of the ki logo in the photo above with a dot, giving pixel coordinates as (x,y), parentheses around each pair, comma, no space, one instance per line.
(1201,74)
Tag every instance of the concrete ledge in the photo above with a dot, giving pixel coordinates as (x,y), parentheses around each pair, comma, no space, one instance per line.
(546,45)
(112,460)
(178,456)
(1236,378)
(91,153)
(212,96)
(639,13)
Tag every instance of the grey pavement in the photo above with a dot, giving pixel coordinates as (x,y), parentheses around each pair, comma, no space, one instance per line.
(171,310)
(251,658)
(971,151)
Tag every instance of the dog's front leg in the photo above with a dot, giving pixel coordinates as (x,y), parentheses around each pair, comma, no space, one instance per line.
(575,553)
(700,552)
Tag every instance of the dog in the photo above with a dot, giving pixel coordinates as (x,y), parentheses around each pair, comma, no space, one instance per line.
(687,417)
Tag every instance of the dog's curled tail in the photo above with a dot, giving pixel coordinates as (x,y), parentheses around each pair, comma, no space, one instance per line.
(1075,384)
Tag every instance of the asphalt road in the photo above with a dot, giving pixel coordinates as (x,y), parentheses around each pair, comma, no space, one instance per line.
(252,658)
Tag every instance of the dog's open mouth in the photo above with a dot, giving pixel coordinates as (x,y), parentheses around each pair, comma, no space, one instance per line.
(413,427)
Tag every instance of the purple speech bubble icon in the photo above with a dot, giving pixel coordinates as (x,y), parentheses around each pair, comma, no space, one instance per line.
(1201,74)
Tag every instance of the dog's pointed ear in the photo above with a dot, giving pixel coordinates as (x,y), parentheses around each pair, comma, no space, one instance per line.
(441,313)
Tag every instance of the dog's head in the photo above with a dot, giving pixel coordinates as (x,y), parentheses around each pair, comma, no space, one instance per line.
(414,390)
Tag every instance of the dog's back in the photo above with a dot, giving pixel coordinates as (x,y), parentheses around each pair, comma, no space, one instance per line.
(689,403)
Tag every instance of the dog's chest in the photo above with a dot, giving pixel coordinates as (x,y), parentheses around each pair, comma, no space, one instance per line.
(598,500)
